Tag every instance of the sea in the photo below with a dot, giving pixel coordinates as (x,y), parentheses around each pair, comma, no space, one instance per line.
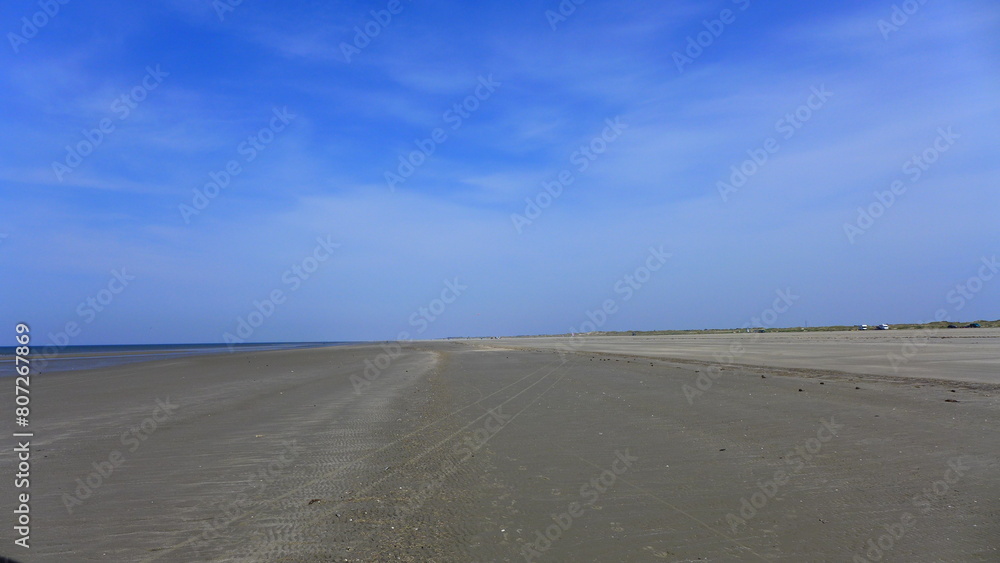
(72,358)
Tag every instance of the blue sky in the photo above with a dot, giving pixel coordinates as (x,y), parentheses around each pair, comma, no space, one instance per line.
(324,124)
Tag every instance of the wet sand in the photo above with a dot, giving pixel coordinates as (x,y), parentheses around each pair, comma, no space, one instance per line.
(473,451)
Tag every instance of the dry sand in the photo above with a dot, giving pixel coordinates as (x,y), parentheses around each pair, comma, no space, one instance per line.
(951,354)
(474,451)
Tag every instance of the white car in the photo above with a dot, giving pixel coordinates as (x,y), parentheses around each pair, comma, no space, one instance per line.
(883,327)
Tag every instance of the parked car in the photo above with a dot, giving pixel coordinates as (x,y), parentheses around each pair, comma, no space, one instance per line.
(975,325)
(882,327)
(952,326)
(862,327)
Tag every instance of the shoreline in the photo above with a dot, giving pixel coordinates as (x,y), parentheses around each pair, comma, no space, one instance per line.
(87,357)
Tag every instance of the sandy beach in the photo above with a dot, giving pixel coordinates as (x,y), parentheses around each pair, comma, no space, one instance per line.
(459,282)
(793,448)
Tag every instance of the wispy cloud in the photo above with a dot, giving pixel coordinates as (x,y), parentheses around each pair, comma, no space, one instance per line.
(655,184)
